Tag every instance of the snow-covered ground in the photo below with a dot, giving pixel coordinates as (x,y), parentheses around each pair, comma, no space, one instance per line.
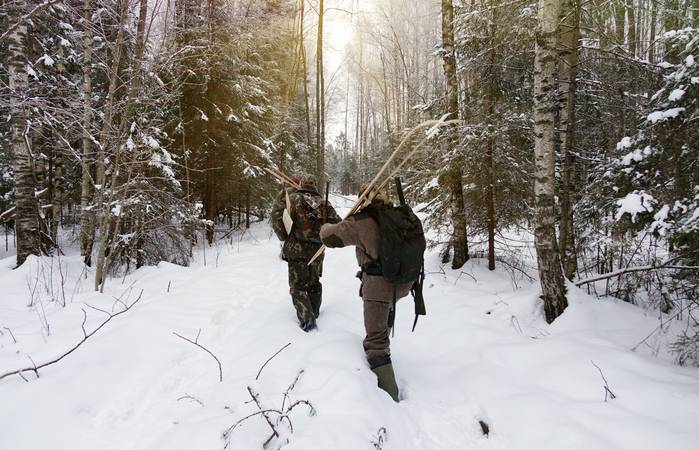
(482,353)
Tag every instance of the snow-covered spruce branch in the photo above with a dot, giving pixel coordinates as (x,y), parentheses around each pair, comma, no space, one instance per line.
(35,368)
(196,342)
(626,270)
(26,17)
(7,215)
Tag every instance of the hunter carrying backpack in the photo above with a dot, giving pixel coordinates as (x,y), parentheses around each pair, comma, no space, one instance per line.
(401,250)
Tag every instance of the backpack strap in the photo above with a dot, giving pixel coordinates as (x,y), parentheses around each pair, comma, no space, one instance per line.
(416,291)
(392,314)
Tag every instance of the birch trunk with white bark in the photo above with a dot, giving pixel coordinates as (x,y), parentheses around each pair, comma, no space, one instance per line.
(545,108)
(26,209)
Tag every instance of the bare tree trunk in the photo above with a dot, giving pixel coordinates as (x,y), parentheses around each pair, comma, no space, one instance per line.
(568,50)
(56,194)
(631,12)
(653,22)
(455,184)
(545,104)
(320,101)
(87,217)
(134,87)
(247,207)
(309,137)
(26,219)
(619,21)
(490,145)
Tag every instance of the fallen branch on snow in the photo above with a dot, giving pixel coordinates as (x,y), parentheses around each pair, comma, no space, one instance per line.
(35,368)
(196,342)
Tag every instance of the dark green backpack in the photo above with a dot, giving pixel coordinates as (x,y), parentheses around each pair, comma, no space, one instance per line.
(401,251)
(402,244)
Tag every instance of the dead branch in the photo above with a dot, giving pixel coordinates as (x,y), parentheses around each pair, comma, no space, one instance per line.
(291,388)
(35,368)
(626,270)
(196,342)
(607,392)
(464,273)
(659,327)
(381,437)
(275,433)
(282,413)
(269,359)
(11,335)
(192,398)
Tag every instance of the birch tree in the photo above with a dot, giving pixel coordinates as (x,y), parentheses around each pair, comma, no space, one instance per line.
(545,106)
(26,209)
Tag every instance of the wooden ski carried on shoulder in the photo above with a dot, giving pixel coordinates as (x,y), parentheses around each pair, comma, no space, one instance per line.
(369,193)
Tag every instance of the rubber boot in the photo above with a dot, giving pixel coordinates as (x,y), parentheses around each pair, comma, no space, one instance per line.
(387,380)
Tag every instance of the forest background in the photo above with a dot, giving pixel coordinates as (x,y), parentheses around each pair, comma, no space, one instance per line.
(145,128)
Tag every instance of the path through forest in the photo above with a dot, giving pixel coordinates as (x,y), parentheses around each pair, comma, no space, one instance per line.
(483,352)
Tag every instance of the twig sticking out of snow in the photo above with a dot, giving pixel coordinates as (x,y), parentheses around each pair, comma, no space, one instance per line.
(282,414)
(661,325)
(381,437)
(35,368)
(607,392)
(485,428)
(269,359)
(465,273)
(196,342)
(11,335)
(192,398)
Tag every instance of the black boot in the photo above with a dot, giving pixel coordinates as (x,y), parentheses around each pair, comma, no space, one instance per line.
(308,325)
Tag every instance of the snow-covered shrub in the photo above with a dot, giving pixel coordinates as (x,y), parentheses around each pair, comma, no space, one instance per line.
(657,173)
(646,200)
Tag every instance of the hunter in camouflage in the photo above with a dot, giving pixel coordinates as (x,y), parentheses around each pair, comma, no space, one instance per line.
(308,211)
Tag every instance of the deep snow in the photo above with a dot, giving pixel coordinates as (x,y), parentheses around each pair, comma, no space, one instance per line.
(482,353)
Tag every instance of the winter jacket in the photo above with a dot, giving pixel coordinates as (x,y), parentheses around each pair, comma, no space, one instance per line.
(297,247)
(362,231)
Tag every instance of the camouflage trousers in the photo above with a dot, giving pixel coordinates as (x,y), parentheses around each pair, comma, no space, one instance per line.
(305,288)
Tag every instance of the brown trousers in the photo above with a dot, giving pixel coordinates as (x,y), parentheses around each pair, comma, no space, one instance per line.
(377,342)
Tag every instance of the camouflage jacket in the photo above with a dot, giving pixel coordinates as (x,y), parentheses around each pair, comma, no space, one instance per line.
(307,210)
